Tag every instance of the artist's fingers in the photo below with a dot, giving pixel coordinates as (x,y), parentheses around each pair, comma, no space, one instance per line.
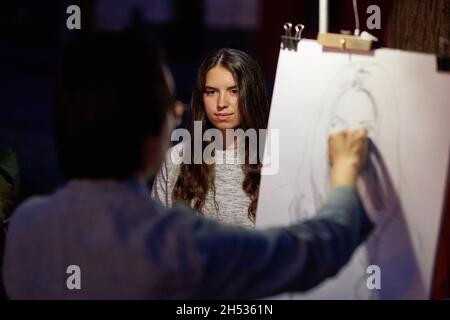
(338,136)
(362,132)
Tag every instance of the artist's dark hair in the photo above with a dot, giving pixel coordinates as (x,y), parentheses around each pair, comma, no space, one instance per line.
(195,180)
(112,95)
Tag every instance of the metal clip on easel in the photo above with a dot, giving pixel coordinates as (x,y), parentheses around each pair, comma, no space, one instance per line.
(288,41)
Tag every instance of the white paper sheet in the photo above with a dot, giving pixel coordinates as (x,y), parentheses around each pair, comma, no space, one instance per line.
(405,103)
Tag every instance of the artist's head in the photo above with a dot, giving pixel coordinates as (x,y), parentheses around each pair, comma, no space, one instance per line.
(113,109)
(230,92)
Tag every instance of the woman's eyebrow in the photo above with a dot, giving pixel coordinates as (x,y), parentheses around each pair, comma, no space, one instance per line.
(229,88)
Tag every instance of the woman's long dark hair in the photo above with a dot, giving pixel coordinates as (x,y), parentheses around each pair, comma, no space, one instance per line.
(195,180)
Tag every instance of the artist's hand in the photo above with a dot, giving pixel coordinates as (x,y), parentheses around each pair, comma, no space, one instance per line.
(347,152)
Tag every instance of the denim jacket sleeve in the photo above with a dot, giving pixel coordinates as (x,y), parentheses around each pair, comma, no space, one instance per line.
(238,263)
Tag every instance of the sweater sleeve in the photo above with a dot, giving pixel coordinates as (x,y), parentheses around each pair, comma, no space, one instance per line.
(160,189)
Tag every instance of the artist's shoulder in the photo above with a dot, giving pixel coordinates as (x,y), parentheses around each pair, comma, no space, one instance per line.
(31,213)
(31,204)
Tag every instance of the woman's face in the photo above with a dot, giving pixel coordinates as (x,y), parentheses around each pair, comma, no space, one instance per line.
(221,99)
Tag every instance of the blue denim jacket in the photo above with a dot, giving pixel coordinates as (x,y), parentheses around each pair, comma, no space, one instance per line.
(128,246)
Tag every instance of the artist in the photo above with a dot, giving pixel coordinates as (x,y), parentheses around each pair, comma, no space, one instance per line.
(113,118)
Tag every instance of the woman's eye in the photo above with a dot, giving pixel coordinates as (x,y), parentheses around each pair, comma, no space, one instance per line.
(210,92)
(234,91)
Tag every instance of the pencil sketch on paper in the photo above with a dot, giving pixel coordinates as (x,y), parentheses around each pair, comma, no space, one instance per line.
(361,96)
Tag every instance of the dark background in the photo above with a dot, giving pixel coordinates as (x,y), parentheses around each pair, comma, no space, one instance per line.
(32,34)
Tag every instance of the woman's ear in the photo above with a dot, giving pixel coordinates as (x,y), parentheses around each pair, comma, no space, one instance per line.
(179,111)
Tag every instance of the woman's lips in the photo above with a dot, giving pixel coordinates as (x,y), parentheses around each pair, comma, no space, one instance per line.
(223,116)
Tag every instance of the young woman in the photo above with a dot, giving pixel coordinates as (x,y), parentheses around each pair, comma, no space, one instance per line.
(229,94)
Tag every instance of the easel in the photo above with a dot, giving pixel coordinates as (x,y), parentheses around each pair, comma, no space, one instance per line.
(356,43)
(441,281)
(360,43)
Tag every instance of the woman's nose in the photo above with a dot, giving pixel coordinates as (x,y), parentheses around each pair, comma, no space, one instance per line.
(223,101)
